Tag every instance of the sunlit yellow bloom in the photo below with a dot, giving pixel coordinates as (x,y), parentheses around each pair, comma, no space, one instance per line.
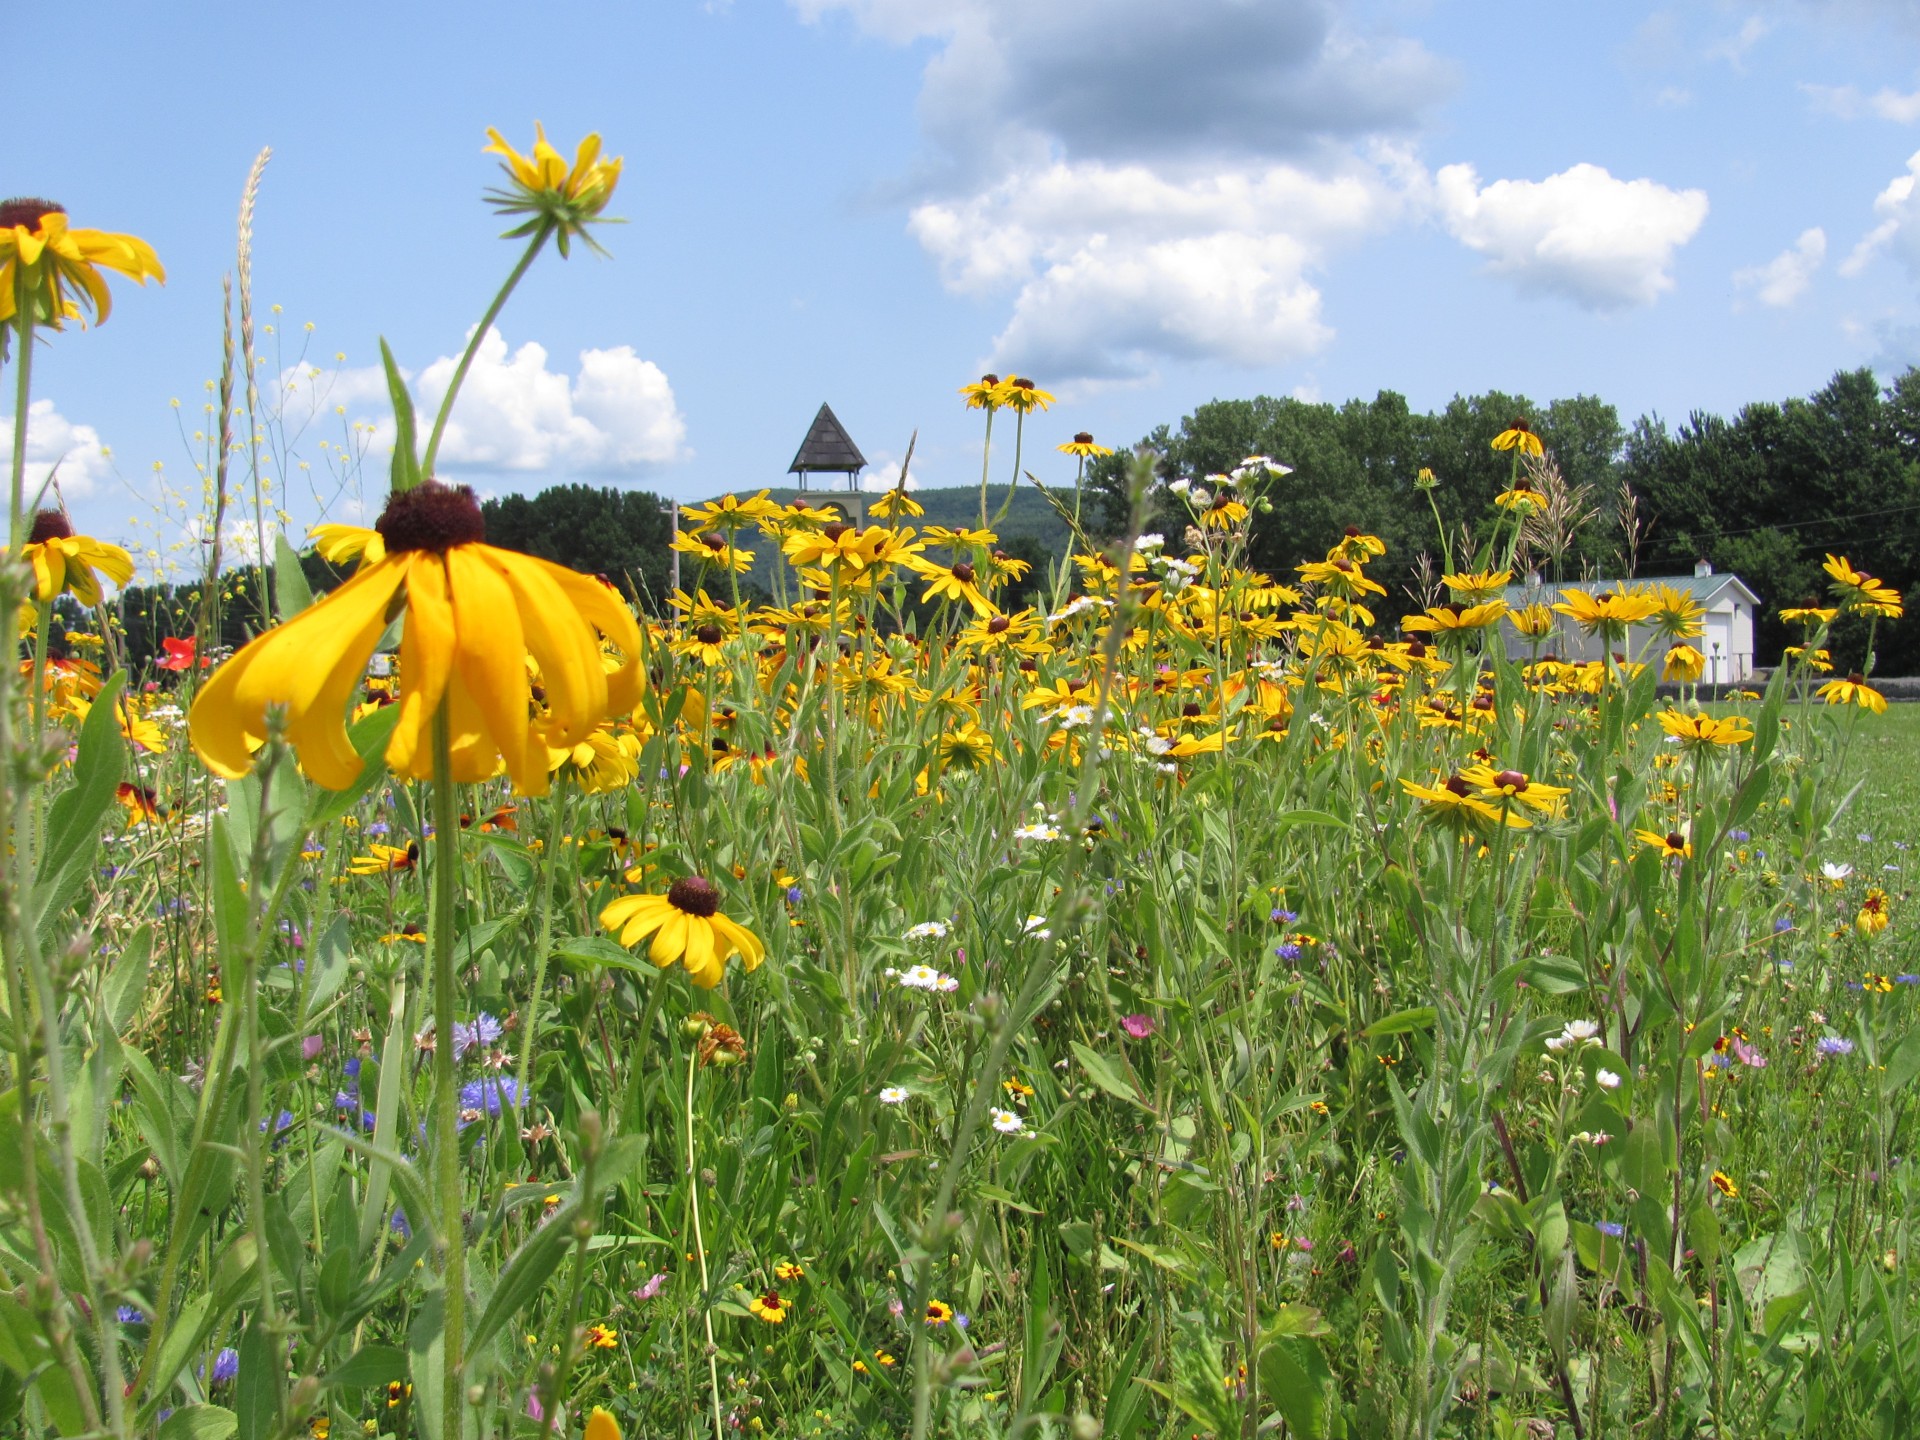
(1861,592)
(1699,730)
(601,1426)
(1818,661)
(340,544)
(984,394)
(1083,446)
(1676,614)
(136,727)
(895,502)
(731,513)
(1607,612)
(474,615)
(1472,587)
(56,270)
(1673,845)
(1513,785)
(1522,497)
(958,582)
(1518,436)
(1453,617)
(1020,394)
(64,563)
(600,763)
(385,860)
(686,925)
(1454,804)
(841,547)
(715,548)
(1684,665)
(1339,577)
(547,190)
(1811,614)
(1873,916)
(1853,690)
(968,747)
(1533,621)
(770,1307)
(1723,1182)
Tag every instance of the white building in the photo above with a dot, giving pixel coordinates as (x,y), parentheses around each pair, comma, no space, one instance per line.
(1728,622)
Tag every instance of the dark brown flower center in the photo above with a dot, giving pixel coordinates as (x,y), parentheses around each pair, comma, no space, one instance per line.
(1676,841)
(708,634)
(1190,710)
(1856,678)
(1511,780)
(49,525)
(431,516)
(26,210)
(1352,532)
(1083,437)
(963,572)
(834,532)
(998,625)
(1519,425)
(691,895)
(714,541)
(1021,383)
(1458,786)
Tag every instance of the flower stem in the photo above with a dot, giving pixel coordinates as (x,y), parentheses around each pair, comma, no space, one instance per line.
(534,247)
(700,1250)
(556,827)
(986,459)
(446,1110)
(22,389)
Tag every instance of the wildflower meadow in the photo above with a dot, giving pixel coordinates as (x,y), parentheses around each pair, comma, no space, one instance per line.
(1186,1003)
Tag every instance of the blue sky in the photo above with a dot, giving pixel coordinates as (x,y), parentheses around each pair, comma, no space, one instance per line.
(868,202)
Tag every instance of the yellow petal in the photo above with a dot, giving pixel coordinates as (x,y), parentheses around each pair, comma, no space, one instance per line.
(602,1426)
(426,655)
(671,943)
(489,649)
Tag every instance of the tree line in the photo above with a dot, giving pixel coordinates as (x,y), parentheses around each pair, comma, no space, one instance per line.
(1765,494)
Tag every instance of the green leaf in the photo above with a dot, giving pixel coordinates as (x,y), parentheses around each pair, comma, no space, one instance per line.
(1107,1075)
(200,1422)
(369,1367)
(127,980)
(406,464)
(1401,1022)
(74,818)
(291,593)
(523,1276)
(256,1395)
(1294,1375)
(1902,1065)
(598,950)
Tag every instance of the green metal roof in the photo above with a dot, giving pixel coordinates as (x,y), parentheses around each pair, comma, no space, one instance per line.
(1705,589)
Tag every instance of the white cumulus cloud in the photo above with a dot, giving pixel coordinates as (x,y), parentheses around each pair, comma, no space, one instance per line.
(1783,279)
(1898,232)
(70,454)
(1603,243)
(616,416)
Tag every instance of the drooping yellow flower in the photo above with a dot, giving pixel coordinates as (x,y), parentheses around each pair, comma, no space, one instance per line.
(345,544)
(1676,614)
(1518,436)
(1451,617)
(895,502)
(1083,446)
(1533,621)
(601,1426)
(984,394)
(841,547)
(1454,804)
(686,925)
(548,191)
(474,615)
(55,269)
(1684,665)
(1853,690)
(1522,497)
(64,563)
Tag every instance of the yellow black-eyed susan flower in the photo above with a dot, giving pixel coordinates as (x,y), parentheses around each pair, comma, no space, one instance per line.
(55,269)
(474,616)
(686,925)
(64,563)
(770,1307)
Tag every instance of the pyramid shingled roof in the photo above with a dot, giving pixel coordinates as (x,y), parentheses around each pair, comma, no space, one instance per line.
(827,448)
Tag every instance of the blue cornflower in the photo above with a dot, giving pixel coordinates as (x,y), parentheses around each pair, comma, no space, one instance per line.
(130,1315)
(487,1096)
(1288,950)
(378,827)
(226,1365)
(1283,917)
(795,895)
(482,1031)
(399,1224)
(1782,924)
(1906,979)
(1834,1045)
(1740,835)
(1611,1228)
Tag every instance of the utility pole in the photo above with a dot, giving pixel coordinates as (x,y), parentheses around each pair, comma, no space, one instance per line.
(672,512)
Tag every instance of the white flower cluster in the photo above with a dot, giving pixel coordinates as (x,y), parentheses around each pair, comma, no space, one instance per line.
(1576,1033)
(929,930)
(924,977)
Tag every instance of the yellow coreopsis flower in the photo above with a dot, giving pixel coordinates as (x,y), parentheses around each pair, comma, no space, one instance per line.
(56,269)
(547,190)
(1674,845)
(474,615)
(64,563)
(686,925)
